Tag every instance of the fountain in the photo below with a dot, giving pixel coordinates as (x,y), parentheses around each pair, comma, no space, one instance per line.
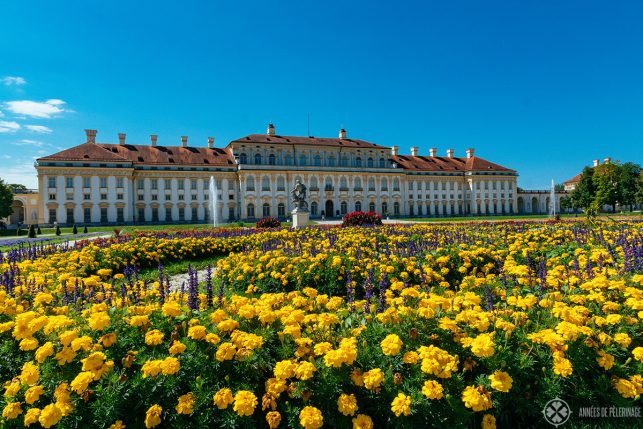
(214,195)
(552,200)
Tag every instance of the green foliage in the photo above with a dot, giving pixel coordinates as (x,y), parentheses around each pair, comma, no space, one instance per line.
(74,230)
(584,193)
(17,188)
(32,231)
(39,231)
(606,182)
(57,230)
(6,199)
(85,230)
(628,183)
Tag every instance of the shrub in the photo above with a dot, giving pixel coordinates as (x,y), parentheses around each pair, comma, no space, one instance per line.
(361,218)
(85,230)
(268,222)
(32,232)
(39,231)
(57,230)
(74,230)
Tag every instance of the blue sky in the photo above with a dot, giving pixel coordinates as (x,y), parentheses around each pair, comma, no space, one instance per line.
(540,86)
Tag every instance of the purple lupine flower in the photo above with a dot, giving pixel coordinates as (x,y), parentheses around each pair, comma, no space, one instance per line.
(208,284)
(488,297)
(382,298)
(193,289)
(350,293)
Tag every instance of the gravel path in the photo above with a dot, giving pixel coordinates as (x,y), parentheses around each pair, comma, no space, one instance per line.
(178,279)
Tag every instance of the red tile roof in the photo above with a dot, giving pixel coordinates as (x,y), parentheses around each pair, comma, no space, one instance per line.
(144,154)
(310,141)
(440,163)
(574,179)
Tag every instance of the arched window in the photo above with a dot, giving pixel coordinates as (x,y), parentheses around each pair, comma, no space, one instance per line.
(331,161)
(396,184)
(384,208)
(281,183)
(411,185)
(250,184)
(358,184)
(313,183)
(343,207)
(358,206)
(266,209)
(281,210)
(313,208)
(288,159)
(371,184)
(302,160)
(369,163)
(243,159)
(384,184)
(317,161)
(343,184)
(371,206)
(265,183)
(396,208)
(344,161)
(358,162)
(329,184)
(382,163)
(271,159)
(250,210)
(258,158)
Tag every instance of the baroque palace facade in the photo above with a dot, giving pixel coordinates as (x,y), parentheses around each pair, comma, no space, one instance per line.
(98,183)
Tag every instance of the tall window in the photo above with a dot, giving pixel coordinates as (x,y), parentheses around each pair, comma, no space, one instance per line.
(120,215)
(371,185)
(243,158)
(358,183)
(281,210)
(168,184)
(344,161)
(396,184)
(155,214)
(168,214)
(302,160)
(258,158)
(396,208)
(331,161)
(358,162)
(52,215)
(87,215)
(86,182)
(384,208)
(313,183)
(141,214)
(154,183)
(250,210)
(193,184)
(103,214)
(265,183)
(52,183)
(140,184)
(382,163)
(384,184)
(103,182)
(369,162)
(195,214)
(317,161)
(313,208)
(266,209)
(271,159)
(343,207)
(281,184)
(329,184)
(371,207)
(181,184)
(119,182)
(343,184)
(181,214)
(250,184)
(70,215)
(69,182)
(358,206)
(288,159)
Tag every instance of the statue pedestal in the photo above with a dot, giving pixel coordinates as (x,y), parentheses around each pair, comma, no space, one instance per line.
(300,218)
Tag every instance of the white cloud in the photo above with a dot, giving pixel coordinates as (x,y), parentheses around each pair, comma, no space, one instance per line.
(36,109)
(23,172)
(9,126)
(38,129)
(6,156)
(26,142)
(13,80)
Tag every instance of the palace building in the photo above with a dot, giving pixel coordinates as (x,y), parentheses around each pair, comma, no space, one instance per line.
(103,183)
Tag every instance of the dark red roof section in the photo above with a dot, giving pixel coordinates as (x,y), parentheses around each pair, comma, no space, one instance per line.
(140,154)
(574,179)
(440,163)
(310,141)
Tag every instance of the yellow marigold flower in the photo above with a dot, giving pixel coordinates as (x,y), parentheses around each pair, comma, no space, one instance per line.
(373,378)
(33,393)
(140,321)
(311,418)
(171,309)
(30,374)
(93,362)
(401,405)
(82,380)
(362,421)
(432,389)
(108,340)
(170,365)
(11,388)
(476,398)
(410,357)
(28,344)
(154,337)
(197,332)
(501,381)
(623,339)
(245,403)
(43,298)
(488,422)
(118,424)
(31,416)
(225,351)
(153,416)
(391,345)
(50,415)
(305,370)
(322,348)
(66,355)
(562,365)
(67,337)
(212,338)
(12,410)
(186,403)
(151,368)
(284,369)
(223,398)
(177,348)
(273,418)
(44,352)
(625,388)
(605,360)
(638,353)
(347,404)
(84,342)
(99,321)
(482,345)
(227,325)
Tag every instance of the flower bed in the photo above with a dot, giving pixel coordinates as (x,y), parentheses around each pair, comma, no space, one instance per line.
(400,326)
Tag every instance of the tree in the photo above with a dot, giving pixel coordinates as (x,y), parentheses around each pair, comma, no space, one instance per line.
(639,190)
(628,183)
(566,202)
(57,230)
(606,182)
(6,199)
(559,187)
(32,231)
(74,230)
(18,188)
(584,193)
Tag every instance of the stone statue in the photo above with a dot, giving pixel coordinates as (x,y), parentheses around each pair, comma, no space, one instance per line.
(299,197)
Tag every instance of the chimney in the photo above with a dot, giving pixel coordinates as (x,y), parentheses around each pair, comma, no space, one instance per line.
(184,141)
(596,162)
(470,152)
(210,142)
(449,153)
(433,152)
(154,138)
(271,129)
(414,151)
(121,139)
(607,160)
(91,136)
(394,150)
(342,134)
